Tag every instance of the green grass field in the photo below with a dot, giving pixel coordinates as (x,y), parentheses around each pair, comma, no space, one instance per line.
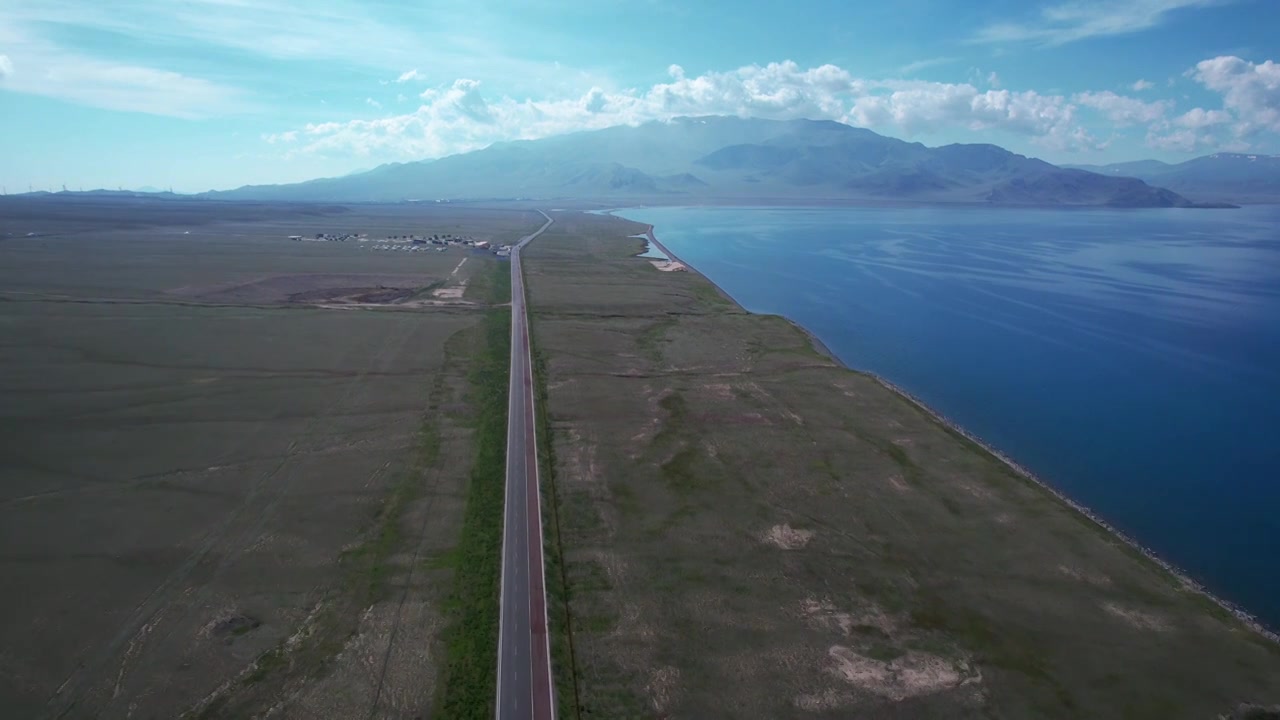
(750,530)
(219,498)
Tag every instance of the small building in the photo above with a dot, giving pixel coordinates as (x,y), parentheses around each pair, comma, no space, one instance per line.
(295,237)
(483,244)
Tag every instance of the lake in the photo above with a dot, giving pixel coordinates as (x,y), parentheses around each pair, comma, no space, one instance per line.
(1130,358)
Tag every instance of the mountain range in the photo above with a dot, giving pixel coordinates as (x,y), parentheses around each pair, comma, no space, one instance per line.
(709,159)
(1224,177)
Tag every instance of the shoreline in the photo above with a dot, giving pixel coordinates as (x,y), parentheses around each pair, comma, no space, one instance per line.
(1239,613)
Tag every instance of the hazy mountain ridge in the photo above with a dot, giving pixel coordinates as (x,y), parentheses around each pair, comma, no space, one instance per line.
(727,158)
(1224,177)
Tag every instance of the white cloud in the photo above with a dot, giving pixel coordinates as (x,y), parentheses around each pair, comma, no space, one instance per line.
(1123,110)
(459,117)
(1080,19)
(449,38)
(1141,85)
(408,75)
(6,66)
(462,116)
(993,79)
(284,137)
(927,107)
(914,67)
(1197,118)
(372,103)
(1251,92)
(130,88)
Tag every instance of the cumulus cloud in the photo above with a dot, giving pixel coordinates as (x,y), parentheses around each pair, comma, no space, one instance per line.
(1251,92)
(462,116)
(931,106)
(408,75)
(6,66)
(1197,118)
(1141,85)
(1123,110)
(372,103)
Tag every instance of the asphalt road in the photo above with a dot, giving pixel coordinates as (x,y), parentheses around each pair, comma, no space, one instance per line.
(524,650)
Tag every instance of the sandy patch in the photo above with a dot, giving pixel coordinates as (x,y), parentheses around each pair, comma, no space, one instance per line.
(787,537)
(825,700)
(824,615)
(1137,618)
(975,490)
(915,673)
(899,484)
(451,293)
(668,265)
(305,288)
(1093,578)
(662,684)
(650,428)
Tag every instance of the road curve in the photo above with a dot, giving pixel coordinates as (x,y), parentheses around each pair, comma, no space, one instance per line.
(525,690)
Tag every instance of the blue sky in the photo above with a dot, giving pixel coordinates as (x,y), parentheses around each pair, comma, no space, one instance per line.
(200,94)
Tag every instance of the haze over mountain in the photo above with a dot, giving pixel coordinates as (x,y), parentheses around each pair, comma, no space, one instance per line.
(1227,177)
(733,159)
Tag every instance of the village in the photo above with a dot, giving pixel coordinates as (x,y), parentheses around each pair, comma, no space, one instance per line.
(408,243)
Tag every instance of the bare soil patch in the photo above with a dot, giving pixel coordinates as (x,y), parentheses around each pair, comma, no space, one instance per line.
(915,673)
(1138,618)
(309,288)
(788,538)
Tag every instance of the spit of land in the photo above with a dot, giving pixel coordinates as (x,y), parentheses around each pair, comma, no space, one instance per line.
(748,529)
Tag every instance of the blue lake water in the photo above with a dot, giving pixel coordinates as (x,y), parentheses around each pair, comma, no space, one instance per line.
(1130,358)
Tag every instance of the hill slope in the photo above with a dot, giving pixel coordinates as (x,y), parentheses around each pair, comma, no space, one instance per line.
(1228,177)
(733,159)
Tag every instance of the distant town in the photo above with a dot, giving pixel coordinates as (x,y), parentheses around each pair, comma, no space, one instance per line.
(408,243)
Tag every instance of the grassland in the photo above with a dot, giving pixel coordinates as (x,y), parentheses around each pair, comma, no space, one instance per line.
(472,636)
(748,529)
(219,504)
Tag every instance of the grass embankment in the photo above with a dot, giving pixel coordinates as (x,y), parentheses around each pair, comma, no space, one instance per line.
(564,662)
(472,610)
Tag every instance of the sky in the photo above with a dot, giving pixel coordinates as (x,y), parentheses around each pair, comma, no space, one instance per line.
(213,94)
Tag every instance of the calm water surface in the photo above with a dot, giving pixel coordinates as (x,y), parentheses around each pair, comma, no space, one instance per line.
(1131,358)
